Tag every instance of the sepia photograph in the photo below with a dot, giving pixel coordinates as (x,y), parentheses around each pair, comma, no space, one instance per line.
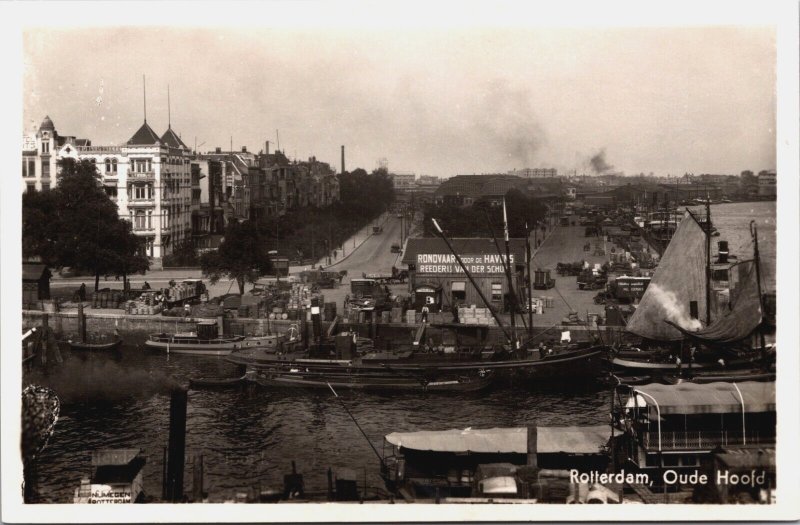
(383,264)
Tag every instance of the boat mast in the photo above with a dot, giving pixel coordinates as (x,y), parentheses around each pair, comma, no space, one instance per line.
(708,260)
(528,264)
(471,280)
(506,268)
(754,233)
(511,293)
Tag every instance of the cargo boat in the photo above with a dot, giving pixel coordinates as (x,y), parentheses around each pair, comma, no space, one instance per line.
(205,342)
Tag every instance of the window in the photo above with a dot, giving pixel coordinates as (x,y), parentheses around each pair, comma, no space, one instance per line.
(45,169)
(31,187)
(114,165)
(139,220)
(108,165)
(45,146)
(149,219)
(28,167)
(45,186)
(458,291)
(497,291)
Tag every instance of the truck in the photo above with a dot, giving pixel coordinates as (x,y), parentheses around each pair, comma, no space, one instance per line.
(377,230)
(368,294)
(396,248)
(542,280)
(592,279)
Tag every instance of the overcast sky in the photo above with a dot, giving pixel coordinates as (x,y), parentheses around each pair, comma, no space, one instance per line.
(444,102)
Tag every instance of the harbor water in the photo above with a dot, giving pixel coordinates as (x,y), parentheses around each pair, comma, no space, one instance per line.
(249,436)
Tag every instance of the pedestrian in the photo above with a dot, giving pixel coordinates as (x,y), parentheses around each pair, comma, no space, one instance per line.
(172,283)
(146,286)
(82,292)
(425,311)
(187,310)
(346,300)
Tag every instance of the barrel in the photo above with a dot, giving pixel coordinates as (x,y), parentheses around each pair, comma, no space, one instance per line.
(285,316)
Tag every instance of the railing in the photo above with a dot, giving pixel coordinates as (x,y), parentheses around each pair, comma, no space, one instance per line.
(99,149)
(703,440)
(141,174)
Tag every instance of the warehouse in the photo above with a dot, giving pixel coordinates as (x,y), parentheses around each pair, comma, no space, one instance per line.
(436,278)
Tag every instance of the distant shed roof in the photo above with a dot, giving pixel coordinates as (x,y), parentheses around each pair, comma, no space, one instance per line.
(33,271)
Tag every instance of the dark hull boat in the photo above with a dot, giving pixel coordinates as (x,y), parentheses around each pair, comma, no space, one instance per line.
(371,382)
(216,382)
(96,346)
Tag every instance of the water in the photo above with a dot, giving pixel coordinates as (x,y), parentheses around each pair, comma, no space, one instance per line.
(250,436)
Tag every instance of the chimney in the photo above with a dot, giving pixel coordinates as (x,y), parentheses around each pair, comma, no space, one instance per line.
(342,159)
(244,149)
(267,150)
(218,150)
(176,448)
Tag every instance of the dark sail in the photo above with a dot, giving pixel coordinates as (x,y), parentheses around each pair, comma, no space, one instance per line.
(744,316)
(679,280)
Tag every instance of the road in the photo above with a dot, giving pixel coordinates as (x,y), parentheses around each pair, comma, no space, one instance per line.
(375,254)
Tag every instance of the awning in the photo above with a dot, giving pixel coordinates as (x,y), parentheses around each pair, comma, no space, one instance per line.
(711,398)
(550,440)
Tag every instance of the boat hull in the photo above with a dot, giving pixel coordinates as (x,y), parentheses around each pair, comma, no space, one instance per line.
(372,384)
(95,347)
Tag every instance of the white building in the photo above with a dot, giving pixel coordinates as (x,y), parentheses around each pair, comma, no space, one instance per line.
(767,184)
(535,173)
(403,181)
(149,178)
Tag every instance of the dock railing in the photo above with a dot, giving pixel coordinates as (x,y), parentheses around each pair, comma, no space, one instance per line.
(704,440)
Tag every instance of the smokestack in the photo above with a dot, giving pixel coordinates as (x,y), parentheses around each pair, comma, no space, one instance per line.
(267,150)
(342,159)
(177,444)
(315,318)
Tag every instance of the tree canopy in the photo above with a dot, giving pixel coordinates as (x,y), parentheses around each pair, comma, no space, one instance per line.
(483,217)
(78,225)
(243,255)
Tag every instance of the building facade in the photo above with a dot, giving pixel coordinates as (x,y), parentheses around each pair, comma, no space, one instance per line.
(535,173)
(149,179)
(767,184)
(436,278)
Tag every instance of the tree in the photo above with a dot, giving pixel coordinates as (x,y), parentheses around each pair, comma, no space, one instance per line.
(78,225)
(243,255)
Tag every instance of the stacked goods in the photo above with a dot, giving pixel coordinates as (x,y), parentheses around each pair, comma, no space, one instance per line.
(146,304)
(411,317)
(107,299)
(396,315)
(386,316)
(474,315)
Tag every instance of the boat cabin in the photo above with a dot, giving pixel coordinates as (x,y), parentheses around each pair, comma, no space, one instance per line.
(677,426)
(116,478)
(454,463)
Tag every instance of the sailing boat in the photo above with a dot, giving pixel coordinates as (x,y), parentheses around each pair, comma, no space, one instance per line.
(680,298)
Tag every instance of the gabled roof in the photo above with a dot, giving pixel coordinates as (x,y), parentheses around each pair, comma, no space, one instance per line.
(145,136)
(170,138)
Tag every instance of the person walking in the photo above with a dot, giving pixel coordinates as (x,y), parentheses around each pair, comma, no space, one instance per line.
(82,292)
(425,311)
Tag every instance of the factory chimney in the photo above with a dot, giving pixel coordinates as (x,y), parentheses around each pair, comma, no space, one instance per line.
(342,159)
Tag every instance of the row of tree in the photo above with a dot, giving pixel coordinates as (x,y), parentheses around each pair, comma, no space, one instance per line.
(484,217)
(77,225)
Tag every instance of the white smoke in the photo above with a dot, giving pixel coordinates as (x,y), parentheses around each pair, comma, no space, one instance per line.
(676,314)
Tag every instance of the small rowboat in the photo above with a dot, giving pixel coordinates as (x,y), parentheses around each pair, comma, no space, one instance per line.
(101,346)
(215,382)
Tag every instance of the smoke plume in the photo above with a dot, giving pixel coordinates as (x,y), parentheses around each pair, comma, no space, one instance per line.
(672,308)
(599,163)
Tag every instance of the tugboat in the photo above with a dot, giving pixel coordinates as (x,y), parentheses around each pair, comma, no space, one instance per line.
(206,341)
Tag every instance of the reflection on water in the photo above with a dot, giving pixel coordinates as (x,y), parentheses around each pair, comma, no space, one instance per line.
(250,435)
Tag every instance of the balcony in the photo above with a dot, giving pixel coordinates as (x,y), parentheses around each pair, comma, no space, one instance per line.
(142,175)
(144,230)
(99,149)
(142,202)
(703,440)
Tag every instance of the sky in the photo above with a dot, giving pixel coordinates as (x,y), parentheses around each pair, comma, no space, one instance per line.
(437,102)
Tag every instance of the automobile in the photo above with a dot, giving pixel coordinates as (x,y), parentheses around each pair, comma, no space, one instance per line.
(396,248)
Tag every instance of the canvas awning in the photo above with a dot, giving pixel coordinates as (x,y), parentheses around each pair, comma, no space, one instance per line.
(710,398)
(550,440)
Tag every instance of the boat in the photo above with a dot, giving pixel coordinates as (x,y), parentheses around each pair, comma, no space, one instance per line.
(373,382)
(715,376)
(510,465)
(216,382)
(205,341)
(678,428)
(709,313)
(117,477)
(99,345)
